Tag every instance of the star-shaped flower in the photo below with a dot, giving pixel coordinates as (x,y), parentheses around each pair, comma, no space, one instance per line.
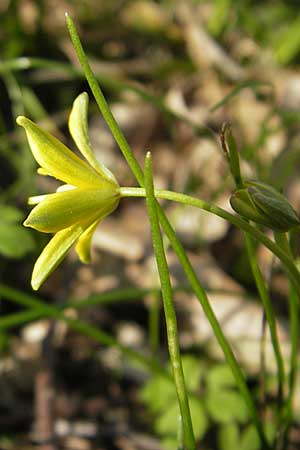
(89,194)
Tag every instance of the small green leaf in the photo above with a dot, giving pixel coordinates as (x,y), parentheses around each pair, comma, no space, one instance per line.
(199,417)
(192,371)
(228,437)
(220,376)
(157,393)
(168,421)
(169,443)
(226,406)
(271,431)
(249,439)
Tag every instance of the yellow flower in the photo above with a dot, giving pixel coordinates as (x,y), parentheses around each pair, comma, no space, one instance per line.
(91,192)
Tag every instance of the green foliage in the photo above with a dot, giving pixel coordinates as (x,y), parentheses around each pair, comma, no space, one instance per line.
(15,240)
(288,44)
(258,20)
(160,397)
(228,436)
(219,17)
(223,402)
(231,437)
(214,401)
(222,407)
(219,377)
(225,406)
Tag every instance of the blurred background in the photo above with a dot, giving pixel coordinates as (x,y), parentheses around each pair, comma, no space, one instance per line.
(173,72)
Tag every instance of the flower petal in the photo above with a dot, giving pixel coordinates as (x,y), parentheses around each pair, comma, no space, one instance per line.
(56,159)
(78,127)
(63,209)
(65,187)
(83,246)
(43,172)
(35,200)
(53,254)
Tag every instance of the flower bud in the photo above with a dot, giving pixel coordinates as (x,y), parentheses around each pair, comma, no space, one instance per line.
(263,204)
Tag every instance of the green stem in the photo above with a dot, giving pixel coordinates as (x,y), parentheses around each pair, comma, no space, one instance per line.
(102,104)
(263,292)
(254,232)
(286,260)
(116,295)
(231,151)
(170,315)
(17,319)
(294,330)
(154,316)
(180,434)
(40,309)
(281,239)
(178,248)
(212,319)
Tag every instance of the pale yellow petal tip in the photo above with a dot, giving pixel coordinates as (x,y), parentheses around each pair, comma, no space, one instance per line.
(83,246)
(84,96)
(35,285)
(83,252)
(42,171)
(28,223)
(36,280)
(84,259)
(21,120)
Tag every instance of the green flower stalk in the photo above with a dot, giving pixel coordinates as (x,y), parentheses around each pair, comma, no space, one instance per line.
(89,194)
(263,204)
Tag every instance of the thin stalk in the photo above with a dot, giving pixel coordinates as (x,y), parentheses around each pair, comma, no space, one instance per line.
(294,327)
(262,371)
(201,295)
(180,434)
(170,315)
(102,104)
(19,318)
(236,220)
(110,297)
(263,293)
(294,330)
(230,149)
(270,317)
(212,319)
(44,309)
(281,239)
(178,248)
(154,316)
